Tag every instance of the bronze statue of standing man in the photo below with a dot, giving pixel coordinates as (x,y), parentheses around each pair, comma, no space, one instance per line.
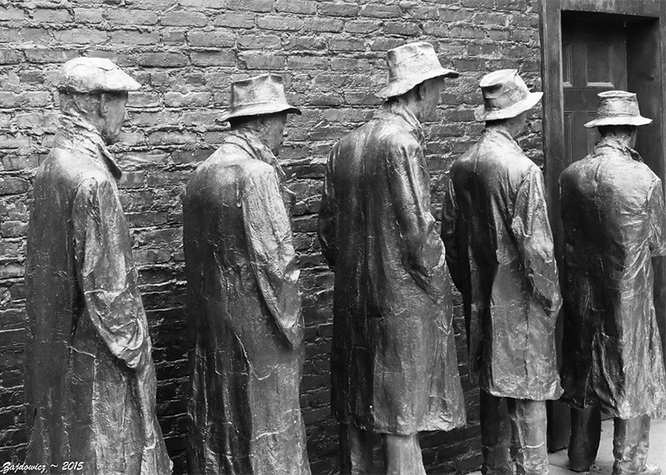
(393,362)
(614,223)
(90,380)
(243,305)
(499,248)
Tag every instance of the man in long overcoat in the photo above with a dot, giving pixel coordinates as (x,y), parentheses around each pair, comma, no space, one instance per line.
(614,223)
(90,380)
(243,303)
(393,362)
(500,253)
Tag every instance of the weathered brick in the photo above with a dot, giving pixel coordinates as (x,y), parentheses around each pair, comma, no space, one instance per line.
(125,17)
(281,23)
(381,11)
(10,57)
(12,185)
(81,36)
(43,55)
(262,61)
(88,15)
(191,99)
(51,15)
(183,18)
(211,38)
(323,24)
(402,28)
(339,9)
(252,5)
(167,60)
(253,41)
(303,7)
(347,45)
(362,26)
(235,20)
(214,58)
(11,13)
(132,37)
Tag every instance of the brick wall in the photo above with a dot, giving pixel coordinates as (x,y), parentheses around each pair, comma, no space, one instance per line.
(185,53)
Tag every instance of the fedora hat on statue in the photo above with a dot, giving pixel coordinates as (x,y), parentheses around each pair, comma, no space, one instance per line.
(505,95)
(258,95)
(617,108)
(410,65)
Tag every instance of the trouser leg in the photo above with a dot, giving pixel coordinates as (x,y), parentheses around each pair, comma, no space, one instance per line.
(585,437)
(631,441)
(355,450)
(495,435)
(529,424)
(403,455)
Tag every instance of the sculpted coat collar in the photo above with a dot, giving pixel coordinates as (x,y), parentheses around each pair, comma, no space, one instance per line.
(248,141)
(76,133)
(612,142)
(391,109)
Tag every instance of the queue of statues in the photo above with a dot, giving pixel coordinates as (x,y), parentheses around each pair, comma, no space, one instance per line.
(91,383)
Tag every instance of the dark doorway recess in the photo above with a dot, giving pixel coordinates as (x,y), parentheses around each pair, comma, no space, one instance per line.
(587,47)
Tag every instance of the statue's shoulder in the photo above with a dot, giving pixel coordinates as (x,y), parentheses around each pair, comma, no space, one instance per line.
(71,168)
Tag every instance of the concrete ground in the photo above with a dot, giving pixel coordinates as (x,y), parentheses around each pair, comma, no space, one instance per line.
(604,463)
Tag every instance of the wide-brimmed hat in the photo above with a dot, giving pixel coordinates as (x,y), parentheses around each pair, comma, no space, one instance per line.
(505,95)
(258,95)
(618,108)
(89,75)
(410,65)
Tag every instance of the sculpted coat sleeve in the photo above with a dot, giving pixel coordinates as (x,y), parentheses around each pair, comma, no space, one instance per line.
(410,192)
(534,240)
(450,234)
(106,271)
(327,213)
(657,215)
(269,241)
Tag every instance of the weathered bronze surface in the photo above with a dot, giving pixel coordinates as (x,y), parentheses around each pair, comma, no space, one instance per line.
(244,310)
(500,253)
(90,381)
(393,359)
(614,222)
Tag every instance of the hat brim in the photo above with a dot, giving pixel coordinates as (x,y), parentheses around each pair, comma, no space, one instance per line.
(400,87)
(260,109)
(481,114)
(619,120)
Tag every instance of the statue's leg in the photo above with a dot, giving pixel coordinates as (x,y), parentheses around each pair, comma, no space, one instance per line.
(631,442)
(528,421)
(585,437)
(495,435)
(355,450)
(403,455)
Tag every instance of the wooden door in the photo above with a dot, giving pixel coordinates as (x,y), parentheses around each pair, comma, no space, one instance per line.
(594,59)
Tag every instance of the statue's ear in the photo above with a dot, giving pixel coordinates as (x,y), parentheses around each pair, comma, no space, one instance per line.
(422,90)
(103,107)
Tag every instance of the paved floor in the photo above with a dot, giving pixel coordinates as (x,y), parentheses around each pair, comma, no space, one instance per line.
(604,463)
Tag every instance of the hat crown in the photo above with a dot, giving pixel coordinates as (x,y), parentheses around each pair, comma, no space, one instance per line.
(258,95)
(264,89)
(617,108)
(503,89)
(410,65)
(86,75)
(410,60)
(616,104)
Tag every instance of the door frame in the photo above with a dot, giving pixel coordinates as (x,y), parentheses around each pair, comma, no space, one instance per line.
(646,75)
